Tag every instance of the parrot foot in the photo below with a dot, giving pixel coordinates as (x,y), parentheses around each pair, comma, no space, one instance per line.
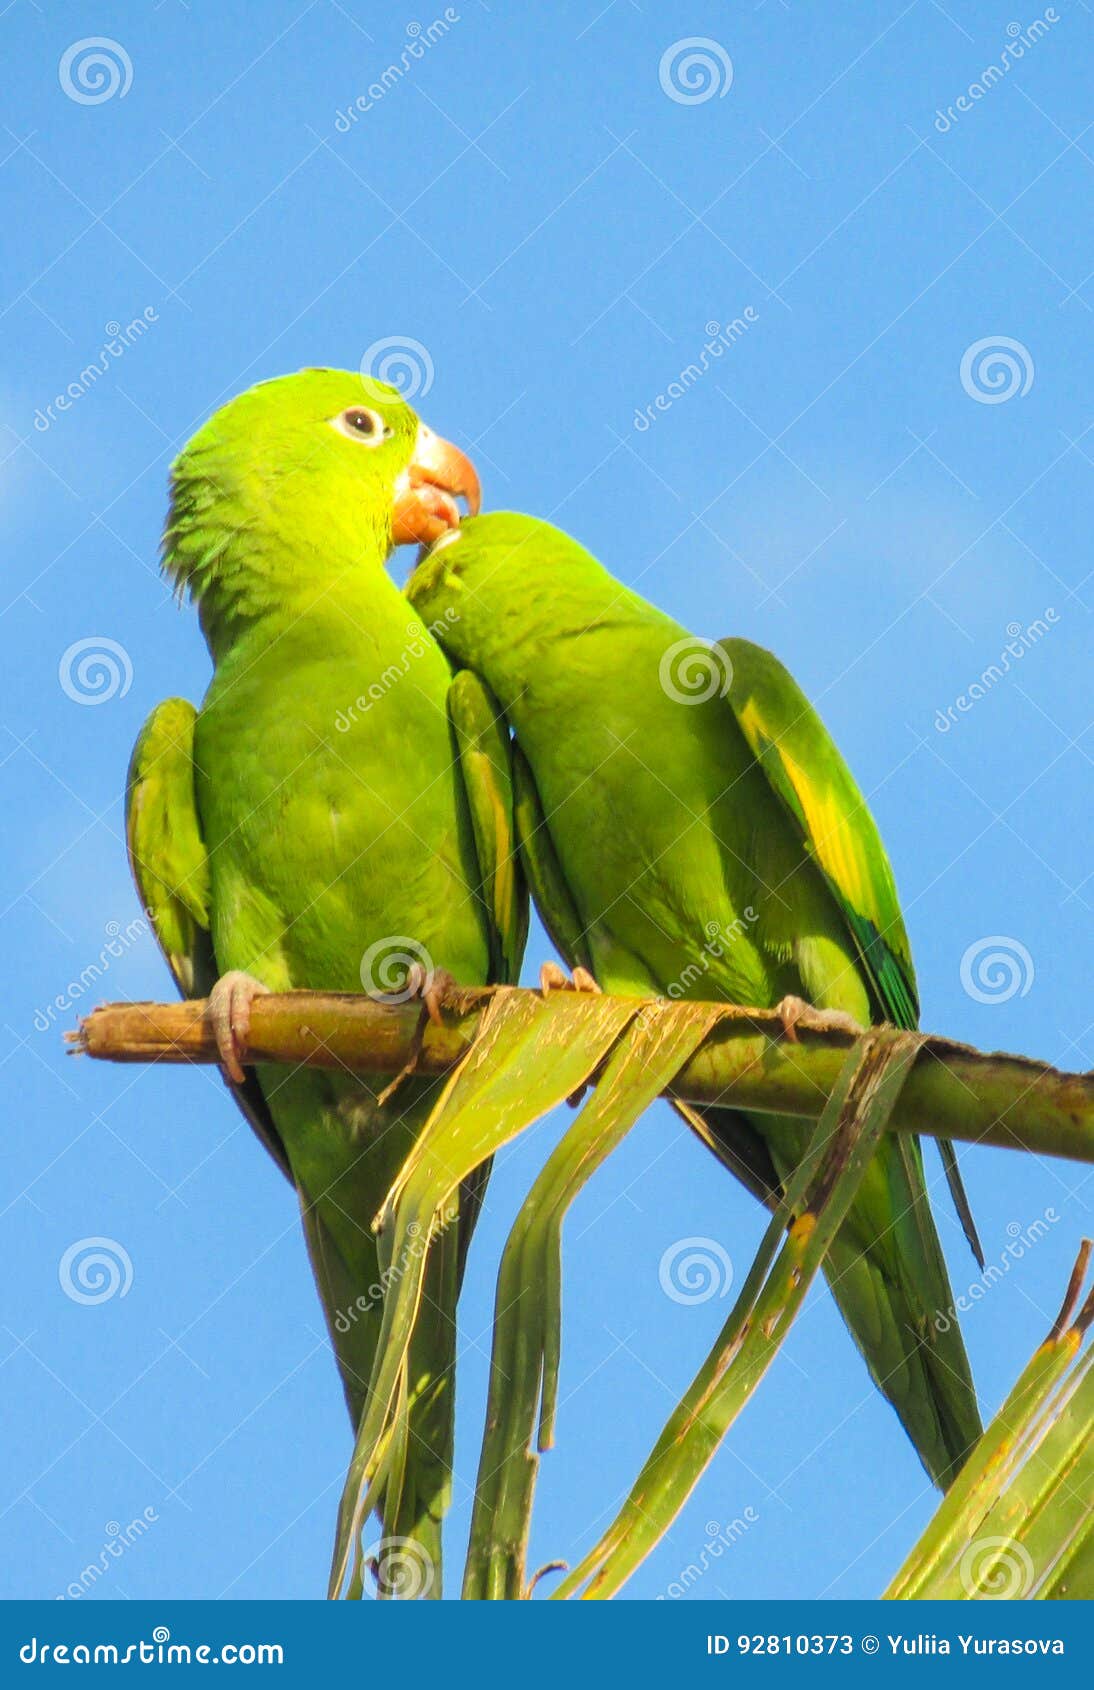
(229,1014)
(791,1010)
(430,986)
(552,978)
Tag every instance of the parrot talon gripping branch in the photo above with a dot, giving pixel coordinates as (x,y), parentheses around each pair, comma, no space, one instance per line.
(977,1097)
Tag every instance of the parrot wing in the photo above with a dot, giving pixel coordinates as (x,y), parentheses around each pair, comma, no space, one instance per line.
(543,871)
(170,867)
(808,775)
(485,753)
(726,1132)
(484,750)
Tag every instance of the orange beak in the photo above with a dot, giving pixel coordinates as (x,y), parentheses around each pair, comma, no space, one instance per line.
(426,492)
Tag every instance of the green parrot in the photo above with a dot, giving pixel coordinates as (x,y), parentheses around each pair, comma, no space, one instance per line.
(337,815)
(689,829)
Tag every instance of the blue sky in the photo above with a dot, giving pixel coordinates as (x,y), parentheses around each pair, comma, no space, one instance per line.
(867,482)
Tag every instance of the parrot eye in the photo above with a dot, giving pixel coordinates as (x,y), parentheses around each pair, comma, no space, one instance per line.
(366,427)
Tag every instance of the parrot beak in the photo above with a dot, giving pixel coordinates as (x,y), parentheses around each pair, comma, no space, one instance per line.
(425,505)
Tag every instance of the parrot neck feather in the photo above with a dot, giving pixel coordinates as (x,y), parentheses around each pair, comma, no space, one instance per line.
(505,617)
(257,556)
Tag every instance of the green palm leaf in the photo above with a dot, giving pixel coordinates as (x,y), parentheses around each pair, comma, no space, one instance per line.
(1018,1521)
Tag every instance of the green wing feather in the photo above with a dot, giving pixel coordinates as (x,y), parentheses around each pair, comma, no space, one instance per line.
(543,871)
(804,768)
(484,749)
(726,1132)
(170,867)
(166,851)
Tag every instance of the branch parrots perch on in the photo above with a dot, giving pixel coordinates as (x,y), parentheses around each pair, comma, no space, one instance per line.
(689,828)
(339,807)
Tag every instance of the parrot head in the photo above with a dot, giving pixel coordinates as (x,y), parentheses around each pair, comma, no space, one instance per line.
(497,580)
(301,472)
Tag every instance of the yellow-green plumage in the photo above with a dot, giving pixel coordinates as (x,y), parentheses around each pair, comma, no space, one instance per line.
(314,808)
(690,829)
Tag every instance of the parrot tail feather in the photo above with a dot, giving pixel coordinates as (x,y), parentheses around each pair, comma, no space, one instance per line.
(888,1276)
(927,1381)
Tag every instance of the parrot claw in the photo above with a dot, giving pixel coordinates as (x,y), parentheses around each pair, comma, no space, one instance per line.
(430,986)
(791,1010)
(229,1014)
(552,978)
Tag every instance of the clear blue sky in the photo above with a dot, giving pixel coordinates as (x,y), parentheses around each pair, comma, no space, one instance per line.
(530,204)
